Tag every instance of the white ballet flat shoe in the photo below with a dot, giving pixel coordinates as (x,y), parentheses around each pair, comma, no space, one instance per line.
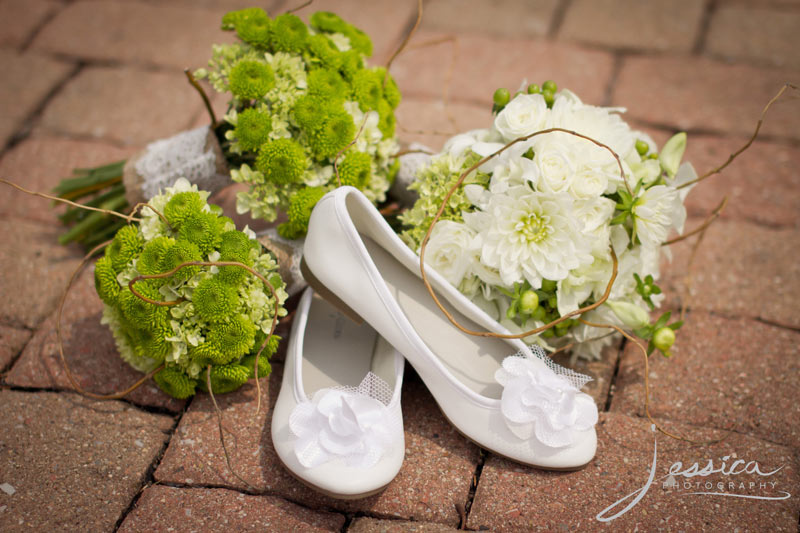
(522,407)
(337,424)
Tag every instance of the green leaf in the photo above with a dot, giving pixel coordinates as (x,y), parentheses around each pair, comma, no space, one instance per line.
(662,321)
(675,326)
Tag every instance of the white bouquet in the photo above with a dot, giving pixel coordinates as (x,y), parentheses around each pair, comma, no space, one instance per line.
(530,234)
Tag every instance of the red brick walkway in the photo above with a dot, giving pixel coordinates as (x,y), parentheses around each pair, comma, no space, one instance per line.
(85,82)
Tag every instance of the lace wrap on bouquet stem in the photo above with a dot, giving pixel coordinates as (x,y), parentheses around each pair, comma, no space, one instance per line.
(544,402)
(194,155)
(357,425)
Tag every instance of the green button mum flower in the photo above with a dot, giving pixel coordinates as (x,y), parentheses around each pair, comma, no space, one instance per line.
(207,353)
(252,26)
(138,311)
(300,206)
(105,281)
(288,33)
(226,378)
(367,89)
(387,120)
(175,383)
(214,301)
(328,22)
(234,337)
(327,83)
(252,129)
(336,131)
(310,111)
(282,161)
(202,230)
(264,368)
(250,79)
(391,92)
(180,206)
(320,51)
(126,244)
(181,252)
(235,246)
(355,169)
(149,261)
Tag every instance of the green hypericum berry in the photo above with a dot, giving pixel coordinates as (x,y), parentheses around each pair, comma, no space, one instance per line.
(234,337)
(252,129)
(181,205)
(175,383)
(264,368)
(225,378)
(642,147)
(327,83)
(202,230)
(149,261)
(529,302)
(207,353)
(663,339)
(126,244)
(550,86)
(250,79)
(336,131)
(288,33)
(181,252)
(355,169)
(300,207)
(282,161)
(214,301)
(367,89)
(534,89)
(549,97)
(253,27)
(501,97)
(105,281)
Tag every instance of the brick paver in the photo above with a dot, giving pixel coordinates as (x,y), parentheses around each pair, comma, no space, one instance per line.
(482,64)
(701,94)
(19,18)
(27,79)
(89,350)
(125,105)
(71,464)
(188,510)
(431,123)
(756,33)
(513,498)
(372,525)
(601,372)
(35,271)
(725,373)
(39,164)
(504,18)
(630,24)
(737,272)
(12,340)
(436,474)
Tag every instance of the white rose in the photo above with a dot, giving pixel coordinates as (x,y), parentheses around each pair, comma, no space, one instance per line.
(555,160)
(524,115)
(450,250)
(588,183)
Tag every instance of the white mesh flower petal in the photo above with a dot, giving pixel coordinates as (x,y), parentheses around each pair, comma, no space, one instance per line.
(544,401)
(353,424)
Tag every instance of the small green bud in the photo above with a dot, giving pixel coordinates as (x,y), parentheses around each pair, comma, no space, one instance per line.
(529,302)
(534,89)
(642,147)
(631,315)
(539,314)
(548,333)
(501,97)
(549,285)
(663,339)
(549,86)
(549,97)
(672,153)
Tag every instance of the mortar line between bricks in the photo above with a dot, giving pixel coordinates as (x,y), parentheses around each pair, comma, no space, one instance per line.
(150,473)
(616,67)
(26,44)
(473,489)
(613,381)
(728,316)
(26,125)
(557,21)
(703,29)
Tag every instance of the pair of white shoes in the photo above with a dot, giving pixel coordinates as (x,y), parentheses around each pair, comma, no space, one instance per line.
(337,424)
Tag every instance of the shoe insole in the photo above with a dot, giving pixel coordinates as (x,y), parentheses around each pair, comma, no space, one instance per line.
(338,352)
(472,360)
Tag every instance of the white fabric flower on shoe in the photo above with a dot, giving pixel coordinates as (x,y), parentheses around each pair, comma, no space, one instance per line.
(346,424)
(537,402)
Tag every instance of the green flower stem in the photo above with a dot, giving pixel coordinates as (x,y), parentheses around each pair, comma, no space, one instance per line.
(74,214)
(89,181)
(80,230)
(106,233)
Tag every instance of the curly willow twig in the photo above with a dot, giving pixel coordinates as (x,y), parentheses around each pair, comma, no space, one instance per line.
(403,44)
(142,277)
(438,215)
